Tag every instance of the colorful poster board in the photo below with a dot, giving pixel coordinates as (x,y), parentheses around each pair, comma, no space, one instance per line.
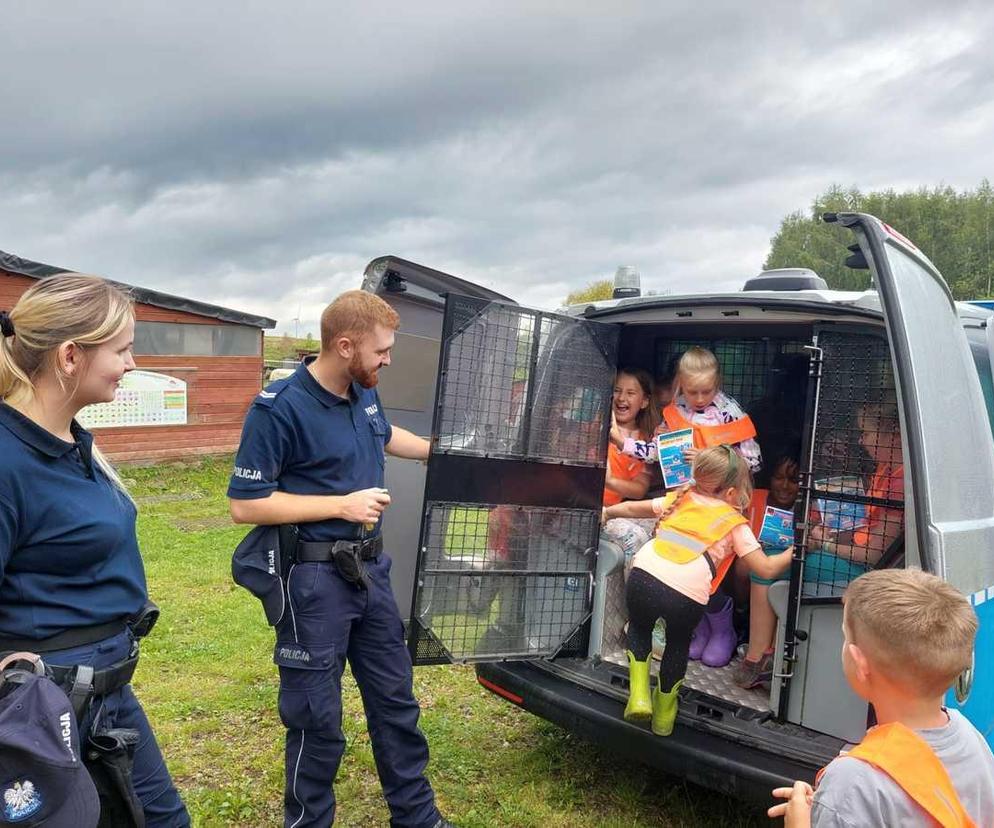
(143,398)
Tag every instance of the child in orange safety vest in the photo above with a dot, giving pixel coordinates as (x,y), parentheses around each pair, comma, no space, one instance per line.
(717,420)
(908,636)
(633,416)
(701,530)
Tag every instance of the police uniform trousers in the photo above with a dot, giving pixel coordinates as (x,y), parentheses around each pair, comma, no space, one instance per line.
(327,621)
(160,801)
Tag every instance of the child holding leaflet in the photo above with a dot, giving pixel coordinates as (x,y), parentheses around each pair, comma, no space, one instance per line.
(701,530)
(757,666)
(907,636)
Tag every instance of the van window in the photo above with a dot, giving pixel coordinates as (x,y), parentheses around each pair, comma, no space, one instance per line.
(983,362)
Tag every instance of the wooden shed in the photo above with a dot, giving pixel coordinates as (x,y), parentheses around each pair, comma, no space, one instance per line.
(203,361)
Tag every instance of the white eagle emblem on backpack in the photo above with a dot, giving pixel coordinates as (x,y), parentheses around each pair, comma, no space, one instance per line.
(21,800)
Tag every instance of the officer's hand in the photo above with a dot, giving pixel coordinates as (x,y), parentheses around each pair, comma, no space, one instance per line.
(365,506)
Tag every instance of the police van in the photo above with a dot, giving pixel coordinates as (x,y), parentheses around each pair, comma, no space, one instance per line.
(510,571)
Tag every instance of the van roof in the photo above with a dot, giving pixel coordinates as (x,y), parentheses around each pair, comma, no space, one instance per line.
(866,301)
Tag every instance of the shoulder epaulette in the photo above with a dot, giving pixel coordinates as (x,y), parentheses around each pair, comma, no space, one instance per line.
(267,396)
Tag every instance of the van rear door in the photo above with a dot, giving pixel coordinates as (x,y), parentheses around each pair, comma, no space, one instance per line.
(949,470)
(514,484)
(407,391)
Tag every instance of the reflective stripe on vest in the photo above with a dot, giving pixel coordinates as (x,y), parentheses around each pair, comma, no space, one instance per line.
(906,758)
(707,436)
(691,529)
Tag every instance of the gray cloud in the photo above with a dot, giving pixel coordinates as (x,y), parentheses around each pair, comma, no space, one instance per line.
(258,156)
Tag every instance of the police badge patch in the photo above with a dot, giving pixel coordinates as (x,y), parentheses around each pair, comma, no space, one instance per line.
(20,801)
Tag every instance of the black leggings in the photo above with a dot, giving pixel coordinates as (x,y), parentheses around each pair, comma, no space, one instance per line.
(649,599)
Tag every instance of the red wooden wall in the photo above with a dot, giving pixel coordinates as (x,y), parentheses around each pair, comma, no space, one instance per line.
(219,391)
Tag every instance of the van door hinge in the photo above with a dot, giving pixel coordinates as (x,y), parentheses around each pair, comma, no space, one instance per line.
(817,359)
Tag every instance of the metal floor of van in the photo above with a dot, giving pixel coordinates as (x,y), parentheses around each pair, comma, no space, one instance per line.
(715,681)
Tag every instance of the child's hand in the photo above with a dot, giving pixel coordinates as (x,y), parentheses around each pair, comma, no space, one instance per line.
(690,454)
(604,515)
(615,434)
(796,811)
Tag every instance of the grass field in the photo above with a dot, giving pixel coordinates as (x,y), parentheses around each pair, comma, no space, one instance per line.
(208,683)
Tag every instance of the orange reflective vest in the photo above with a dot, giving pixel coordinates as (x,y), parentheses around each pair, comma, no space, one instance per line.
(757,510)
(687,533)
(906,758)
(706,436)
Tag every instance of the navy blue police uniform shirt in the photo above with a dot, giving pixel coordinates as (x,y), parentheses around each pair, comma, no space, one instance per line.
(68,551)
(301,439)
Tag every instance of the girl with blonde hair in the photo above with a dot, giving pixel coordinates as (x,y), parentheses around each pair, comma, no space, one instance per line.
(701,530)
(72,582)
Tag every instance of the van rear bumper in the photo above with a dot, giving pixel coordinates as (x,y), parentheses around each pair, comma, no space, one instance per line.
(713,761)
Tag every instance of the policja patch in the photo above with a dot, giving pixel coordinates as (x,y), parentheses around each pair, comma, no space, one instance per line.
(261,562)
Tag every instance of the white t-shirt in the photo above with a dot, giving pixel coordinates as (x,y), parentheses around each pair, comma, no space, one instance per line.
(694,579)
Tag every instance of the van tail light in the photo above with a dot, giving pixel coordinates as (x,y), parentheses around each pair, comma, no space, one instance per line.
(500,691)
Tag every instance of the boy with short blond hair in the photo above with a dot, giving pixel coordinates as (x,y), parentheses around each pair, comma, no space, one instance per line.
(908,636)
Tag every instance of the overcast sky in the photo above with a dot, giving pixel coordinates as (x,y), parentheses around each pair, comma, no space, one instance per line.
(257,154)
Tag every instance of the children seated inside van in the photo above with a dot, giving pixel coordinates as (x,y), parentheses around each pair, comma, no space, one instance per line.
(781,493)
(633,417)
(699,403)
(907,636)
(701,531)
(838,557)
(716,419)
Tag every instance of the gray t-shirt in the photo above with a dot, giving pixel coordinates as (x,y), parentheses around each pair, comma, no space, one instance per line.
(854,794)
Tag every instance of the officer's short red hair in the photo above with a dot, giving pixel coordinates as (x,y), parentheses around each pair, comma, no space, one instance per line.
(354,314)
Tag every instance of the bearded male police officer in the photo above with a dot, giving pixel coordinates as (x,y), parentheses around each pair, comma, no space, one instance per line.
(312,454)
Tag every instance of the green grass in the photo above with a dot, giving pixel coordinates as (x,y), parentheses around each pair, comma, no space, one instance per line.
(278,347)
(209,686)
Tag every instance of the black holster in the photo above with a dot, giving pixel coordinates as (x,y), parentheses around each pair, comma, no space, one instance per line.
(348,562)
(110,757)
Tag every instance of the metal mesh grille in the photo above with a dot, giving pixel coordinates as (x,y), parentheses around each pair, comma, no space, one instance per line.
(576,404)
(509,581)
(856,479)
(484,382)
(504,392)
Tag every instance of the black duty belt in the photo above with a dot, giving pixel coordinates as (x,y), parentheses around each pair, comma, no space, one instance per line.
(318,551)
(65,640)
(81,682)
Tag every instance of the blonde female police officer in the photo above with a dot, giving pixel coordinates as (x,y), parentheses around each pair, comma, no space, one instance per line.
(71,574)
(312,455)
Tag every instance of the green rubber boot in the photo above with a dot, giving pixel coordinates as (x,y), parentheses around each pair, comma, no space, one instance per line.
(664,707)
(639,707)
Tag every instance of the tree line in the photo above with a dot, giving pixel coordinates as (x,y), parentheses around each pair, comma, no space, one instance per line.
(954,229)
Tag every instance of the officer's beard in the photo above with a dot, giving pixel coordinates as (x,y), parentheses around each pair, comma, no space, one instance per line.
(366,377)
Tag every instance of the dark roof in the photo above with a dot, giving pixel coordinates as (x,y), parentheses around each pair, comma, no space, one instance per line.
(36,270)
